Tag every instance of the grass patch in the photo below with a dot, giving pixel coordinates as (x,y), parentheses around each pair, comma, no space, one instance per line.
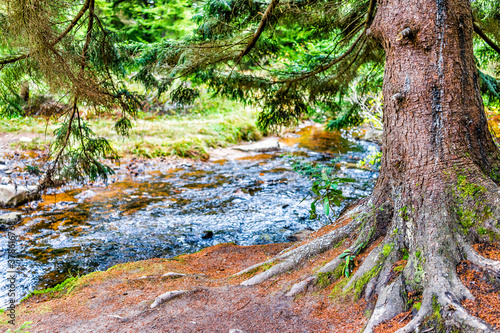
(210,123)
(63,288)
(21,329)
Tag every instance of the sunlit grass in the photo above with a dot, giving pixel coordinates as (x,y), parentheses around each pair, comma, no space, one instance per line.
(209,123)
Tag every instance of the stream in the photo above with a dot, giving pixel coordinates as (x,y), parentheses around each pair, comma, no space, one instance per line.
(166,211)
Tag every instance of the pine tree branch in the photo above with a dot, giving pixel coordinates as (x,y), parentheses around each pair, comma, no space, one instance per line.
(12,60)
(323,68)
(48,177)
(88,36)
(55,41)
(259,31)
(82,69)
(479,31)
(371,11)
(73,23)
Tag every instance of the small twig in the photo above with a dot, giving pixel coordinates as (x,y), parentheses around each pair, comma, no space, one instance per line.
(403,319)
(241,307)
(269,286)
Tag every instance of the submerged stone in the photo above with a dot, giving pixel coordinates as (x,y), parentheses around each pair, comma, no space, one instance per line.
(207,234)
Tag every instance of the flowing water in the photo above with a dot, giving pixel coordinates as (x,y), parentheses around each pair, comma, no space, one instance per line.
(169,211)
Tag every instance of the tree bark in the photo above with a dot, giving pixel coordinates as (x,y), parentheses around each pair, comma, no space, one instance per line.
(433,112)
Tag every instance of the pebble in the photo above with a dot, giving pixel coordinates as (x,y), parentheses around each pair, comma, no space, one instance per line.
(10,218)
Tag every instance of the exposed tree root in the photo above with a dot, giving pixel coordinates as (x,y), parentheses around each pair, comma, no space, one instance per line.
(293,258)
(414,324)
(360,242)
(432,253)
(480,261)
(389,304)
(457,316)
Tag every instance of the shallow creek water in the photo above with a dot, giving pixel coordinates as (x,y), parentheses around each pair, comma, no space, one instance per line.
(166,211)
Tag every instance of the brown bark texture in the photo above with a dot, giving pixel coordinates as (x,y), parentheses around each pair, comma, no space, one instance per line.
(437,193)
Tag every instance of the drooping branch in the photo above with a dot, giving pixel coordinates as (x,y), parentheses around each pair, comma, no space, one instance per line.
(88,36)
(74,110)
(260,29)
(480,32)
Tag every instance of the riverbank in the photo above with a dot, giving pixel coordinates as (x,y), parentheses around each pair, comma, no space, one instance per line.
(128,297)
(163,207)
(120,299)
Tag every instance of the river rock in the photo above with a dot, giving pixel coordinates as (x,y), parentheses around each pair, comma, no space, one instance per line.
(300,235)
(3,167)
(10,218)
(374,135)
(11,195)
(207,234)
(85,195)
(263,146)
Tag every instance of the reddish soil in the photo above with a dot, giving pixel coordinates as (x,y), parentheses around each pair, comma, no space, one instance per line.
(484,286)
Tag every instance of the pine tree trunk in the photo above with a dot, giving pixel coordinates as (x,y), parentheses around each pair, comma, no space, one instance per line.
(433,112)
(439,170)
